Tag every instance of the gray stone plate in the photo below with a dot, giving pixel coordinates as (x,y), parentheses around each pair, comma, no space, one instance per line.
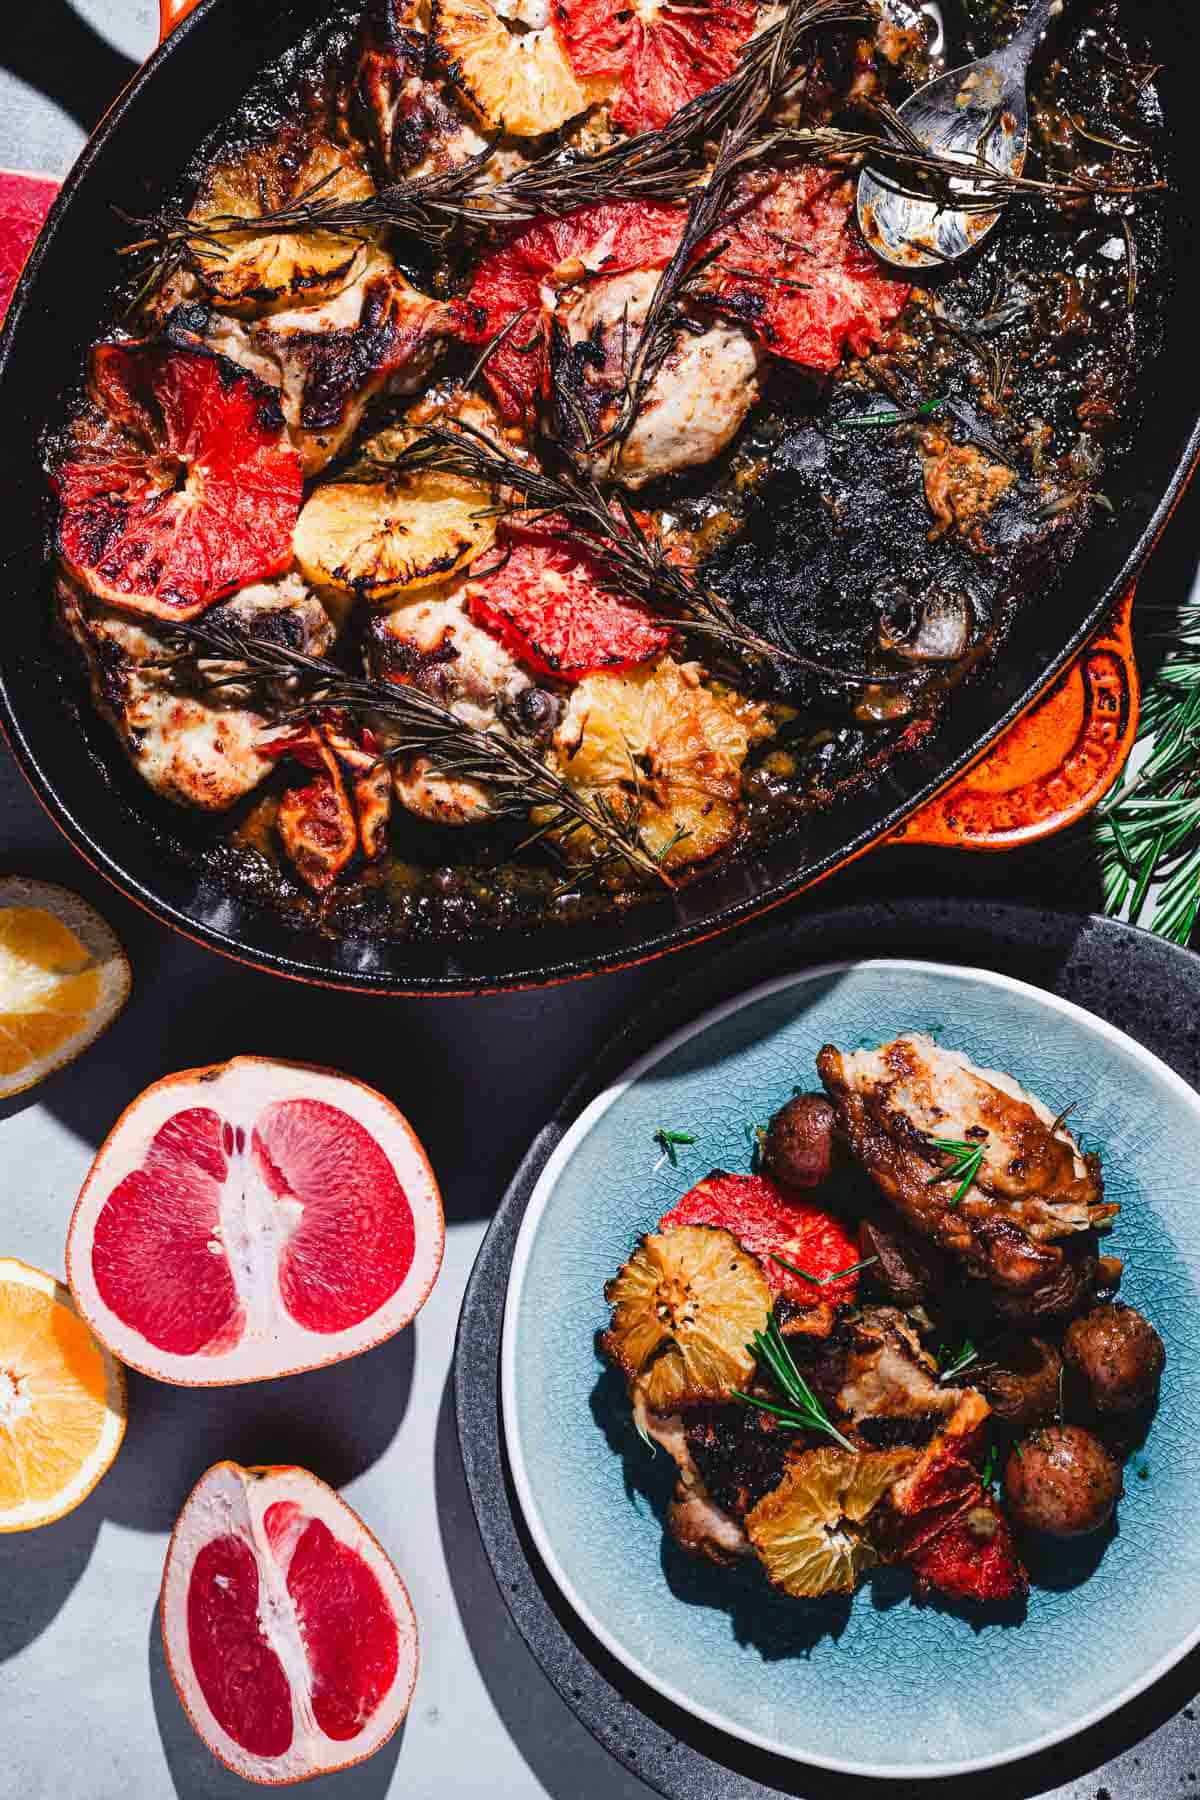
(1148,1750)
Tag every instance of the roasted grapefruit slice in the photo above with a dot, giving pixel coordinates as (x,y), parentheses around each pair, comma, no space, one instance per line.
(546,601)
(796,272)
(770,1222)
(63,980)
(62,1401)
(660,53)
(289,1635)
(608,238)
(253,1219)
(177,482)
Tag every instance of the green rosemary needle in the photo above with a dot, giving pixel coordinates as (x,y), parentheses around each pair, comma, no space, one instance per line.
(669,1142)
(823,1280)
(804,1411)
(967,1155)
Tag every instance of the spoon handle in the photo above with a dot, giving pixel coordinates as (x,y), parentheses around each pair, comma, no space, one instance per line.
(1040,13)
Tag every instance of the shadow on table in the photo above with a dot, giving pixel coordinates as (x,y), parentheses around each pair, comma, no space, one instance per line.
(561,1753)
(55,51)
(197,1775)
(39,1570)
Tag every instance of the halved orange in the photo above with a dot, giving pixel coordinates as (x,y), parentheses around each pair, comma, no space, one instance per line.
(63,980)
(62,1401)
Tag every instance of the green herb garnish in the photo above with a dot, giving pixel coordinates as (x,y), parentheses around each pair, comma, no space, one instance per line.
(988,1473)
(756,1137)
(804,1411)
(669,1142)
(967,1156)
(823,1280)
(926,410)
(960,1360)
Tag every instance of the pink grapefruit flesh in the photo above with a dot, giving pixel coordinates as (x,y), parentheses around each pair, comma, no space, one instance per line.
(288,1633)
(251,1220)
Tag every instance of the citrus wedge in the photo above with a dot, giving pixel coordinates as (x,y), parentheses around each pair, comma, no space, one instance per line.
(62,1401)
(63,980)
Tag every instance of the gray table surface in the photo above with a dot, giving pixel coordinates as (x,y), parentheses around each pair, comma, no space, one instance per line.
(86,1708)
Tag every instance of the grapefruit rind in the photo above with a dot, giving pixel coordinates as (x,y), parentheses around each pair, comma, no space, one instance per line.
(107,959)
(112,1432)
(225,1493)
(273,1344)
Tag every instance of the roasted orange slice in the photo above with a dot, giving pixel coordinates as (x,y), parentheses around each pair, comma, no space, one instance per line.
(685,1307)
(63,980)
(252,272)
(659,747)
(809,1531)
(520,83)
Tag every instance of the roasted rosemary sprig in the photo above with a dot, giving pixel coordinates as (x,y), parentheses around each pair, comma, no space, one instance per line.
(803,1411)
(293,687)
(635,563)
(823,1280)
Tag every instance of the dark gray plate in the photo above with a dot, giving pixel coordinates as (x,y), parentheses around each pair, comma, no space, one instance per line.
(1143,986)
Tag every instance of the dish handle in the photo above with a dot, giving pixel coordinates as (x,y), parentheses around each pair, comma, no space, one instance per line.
(1054,764)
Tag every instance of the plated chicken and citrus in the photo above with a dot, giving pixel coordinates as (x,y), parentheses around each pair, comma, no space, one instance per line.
(898,1341)
(510,484)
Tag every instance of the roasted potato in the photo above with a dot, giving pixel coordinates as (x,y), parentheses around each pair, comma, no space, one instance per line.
(799,1144)
(1061,1480)
(1119,1355)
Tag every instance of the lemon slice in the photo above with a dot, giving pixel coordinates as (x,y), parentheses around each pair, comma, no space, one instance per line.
(62,1401)
(63,980)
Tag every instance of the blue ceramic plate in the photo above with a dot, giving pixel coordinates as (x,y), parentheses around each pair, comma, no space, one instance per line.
(876,1685)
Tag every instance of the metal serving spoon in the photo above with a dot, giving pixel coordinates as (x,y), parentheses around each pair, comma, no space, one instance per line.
(981,107)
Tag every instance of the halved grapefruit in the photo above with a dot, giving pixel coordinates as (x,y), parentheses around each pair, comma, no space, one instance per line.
(24,202)
(178,483)
(289,1635)
(546,602)
(662,53)
(253,1219)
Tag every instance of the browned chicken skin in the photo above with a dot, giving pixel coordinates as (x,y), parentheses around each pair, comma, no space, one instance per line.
(1032,1187)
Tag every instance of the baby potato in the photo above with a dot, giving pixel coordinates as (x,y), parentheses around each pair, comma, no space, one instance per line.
(1120,1356)
(1061,1480)
(799,1144)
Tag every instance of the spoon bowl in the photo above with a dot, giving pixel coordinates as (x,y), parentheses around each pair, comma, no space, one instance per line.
(975,114)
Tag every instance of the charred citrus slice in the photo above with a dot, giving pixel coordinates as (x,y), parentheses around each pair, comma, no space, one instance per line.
(315,821)
(547,604)
(178,484)
(62,1401)
(520,83)
(608,238)
(661,53)
(252,1219)
(250,272)
(63,980)
(972,1558)
(382,538)
(796,273)
(808,1531)
(770,1222)
(685,1306)
(657,743)
(290,1638)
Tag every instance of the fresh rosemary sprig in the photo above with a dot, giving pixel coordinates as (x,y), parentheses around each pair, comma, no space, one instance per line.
(1147,832)
(967,1155)
(512,771)
(926,410)
(823,1280)
(635,564)
(804,1411)
(669,1142)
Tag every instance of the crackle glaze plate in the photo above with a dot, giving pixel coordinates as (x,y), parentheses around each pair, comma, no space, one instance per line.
(877,1685)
